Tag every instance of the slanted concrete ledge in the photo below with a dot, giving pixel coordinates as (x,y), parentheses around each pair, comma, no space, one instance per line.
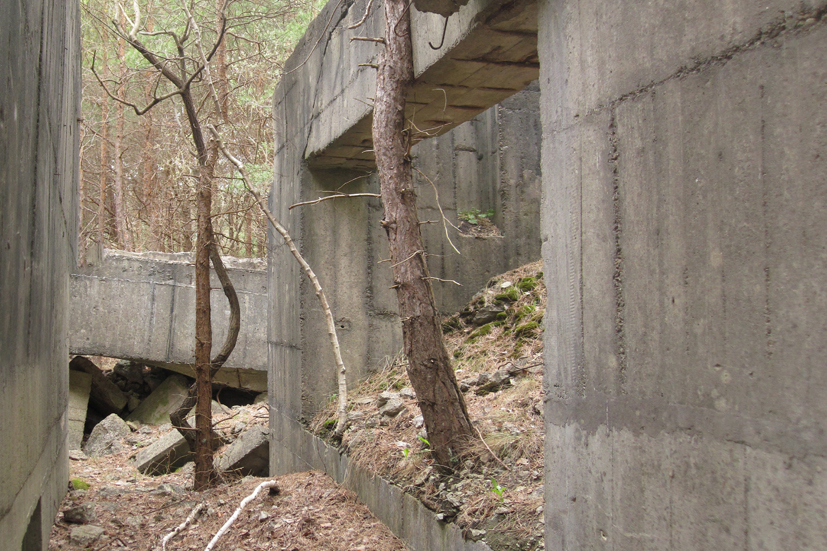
(294,449)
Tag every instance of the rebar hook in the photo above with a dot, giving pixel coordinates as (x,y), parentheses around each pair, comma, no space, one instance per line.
(441,42)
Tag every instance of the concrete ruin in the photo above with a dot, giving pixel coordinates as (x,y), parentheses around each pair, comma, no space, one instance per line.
(39,140)
(683,228)
(683,234)
(141,307)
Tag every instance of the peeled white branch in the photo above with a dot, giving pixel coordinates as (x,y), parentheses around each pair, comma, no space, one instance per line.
(341,411)
(244,502)
(193,515)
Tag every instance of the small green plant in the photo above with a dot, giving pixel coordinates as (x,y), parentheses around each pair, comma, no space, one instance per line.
(79,484)
(405,453)
(473,215)
(511,295)
(424,441)
(497,489)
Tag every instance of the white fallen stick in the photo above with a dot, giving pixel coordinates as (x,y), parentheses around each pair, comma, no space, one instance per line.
(193,515)
(244,502)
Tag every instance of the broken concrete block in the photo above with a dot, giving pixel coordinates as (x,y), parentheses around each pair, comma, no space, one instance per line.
(106,437)
(105,395)
(249,455)
(164,455)
(165,399)
(80,383)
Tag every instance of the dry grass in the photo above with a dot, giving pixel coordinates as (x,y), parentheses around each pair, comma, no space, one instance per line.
(509,420)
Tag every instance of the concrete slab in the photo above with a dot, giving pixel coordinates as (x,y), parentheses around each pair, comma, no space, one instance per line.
(164,455)
(80,383)
(248,455)
(105,395)
(165,399)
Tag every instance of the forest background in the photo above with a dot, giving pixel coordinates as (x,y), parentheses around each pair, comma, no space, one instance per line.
(138,173)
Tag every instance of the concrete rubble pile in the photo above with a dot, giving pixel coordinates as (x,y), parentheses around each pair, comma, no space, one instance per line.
(128,407)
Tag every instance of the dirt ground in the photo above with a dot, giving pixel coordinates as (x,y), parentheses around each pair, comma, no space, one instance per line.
(307,511)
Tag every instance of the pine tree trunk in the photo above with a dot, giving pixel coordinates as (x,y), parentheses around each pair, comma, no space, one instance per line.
(429,366)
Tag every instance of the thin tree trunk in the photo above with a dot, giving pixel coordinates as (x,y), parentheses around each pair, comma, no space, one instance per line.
(104,172)
(429,366)
(120,215)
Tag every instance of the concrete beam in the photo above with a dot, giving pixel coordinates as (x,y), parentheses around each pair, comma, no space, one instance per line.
(141,307)
(489,53)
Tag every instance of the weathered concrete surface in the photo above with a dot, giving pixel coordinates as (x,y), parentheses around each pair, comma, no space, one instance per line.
(39,110)
(248,455)
(165,399)
(491,50)
(684,238)
(166,454)
(106,396)
(491,162)
(142,307)
(79,385)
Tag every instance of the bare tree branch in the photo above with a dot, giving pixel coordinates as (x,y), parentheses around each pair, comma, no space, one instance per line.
(331,325)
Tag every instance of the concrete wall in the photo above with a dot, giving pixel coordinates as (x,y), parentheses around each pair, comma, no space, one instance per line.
(142,307)
(684,239)
(39,110)
(489,162)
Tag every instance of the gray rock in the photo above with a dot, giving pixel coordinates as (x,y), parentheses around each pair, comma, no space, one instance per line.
(164,455)
(407,392)
(385,397)
(418,421)
(487,314)
(77,455)
(106,437)
(83,536)
(80,514)
(261,398)
(392,407)
(249,455)
(131,371)
(165,399)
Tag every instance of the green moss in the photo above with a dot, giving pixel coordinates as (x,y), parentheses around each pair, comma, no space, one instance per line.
(526,329)
(482,331)
(457,352)
(502,316)
(527,284)
(539,275)
(510,295)
(79,484)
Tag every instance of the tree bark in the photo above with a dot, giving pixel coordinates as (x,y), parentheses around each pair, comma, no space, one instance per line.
(120,214)
(104,172)
(429,366)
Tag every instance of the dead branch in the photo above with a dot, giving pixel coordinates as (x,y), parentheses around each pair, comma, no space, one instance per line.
(445,221)
(311,275)
(432,278)
(379,40)
(244,502)
(336,196)
(364,17)
(192,516)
